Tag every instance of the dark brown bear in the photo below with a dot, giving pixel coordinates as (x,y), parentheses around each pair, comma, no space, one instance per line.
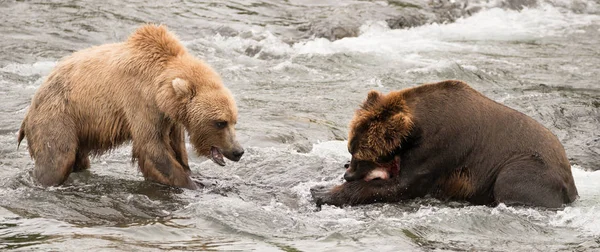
(451,142)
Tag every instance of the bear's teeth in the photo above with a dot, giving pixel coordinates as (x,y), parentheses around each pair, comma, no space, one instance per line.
(216,156)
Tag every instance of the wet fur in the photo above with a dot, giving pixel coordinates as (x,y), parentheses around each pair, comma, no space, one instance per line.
(101,97)
(454,144)
(456,186)
(383,123)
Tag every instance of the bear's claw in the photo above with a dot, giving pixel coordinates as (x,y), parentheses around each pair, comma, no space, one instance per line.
(321,195)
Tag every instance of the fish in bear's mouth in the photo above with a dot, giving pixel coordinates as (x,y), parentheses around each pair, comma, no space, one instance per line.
(384,171)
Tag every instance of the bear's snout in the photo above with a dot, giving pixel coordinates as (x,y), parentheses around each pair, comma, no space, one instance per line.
(235,154)
(350,176)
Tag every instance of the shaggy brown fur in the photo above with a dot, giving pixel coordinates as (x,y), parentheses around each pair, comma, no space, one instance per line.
(449,141)
(148,89)
(385,124)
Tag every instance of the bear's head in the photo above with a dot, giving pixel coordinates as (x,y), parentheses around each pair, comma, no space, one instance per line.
(376,134)
(189,91)
(194,95)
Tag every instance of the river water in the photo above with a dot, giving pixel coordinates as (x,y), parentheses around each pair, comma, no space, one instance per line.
(298,70)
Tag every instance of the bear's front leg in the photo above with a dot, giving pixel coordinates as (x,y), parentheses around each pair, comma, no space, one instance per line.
(358,192)
(157,160)
(158,165)
(152,149)
(177,137)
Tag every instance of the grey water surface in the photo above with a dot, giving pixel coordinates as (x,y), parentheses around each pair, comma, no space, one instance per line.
(298,70)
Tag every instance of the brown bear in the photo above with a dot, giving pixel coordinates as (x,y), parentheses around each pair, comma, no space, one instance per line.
(147,89)
(451,142)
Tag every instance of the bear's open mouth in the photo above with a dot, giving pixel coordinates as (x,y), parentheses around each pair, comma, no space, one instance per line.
(385,171)
(216,156)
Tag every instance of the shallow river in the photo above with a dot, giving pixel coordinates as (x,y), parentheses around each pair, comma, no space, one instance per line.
(298,70)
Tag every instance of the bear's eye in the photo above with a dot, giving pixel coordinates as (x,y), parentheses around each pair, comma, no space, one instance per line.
(221,124)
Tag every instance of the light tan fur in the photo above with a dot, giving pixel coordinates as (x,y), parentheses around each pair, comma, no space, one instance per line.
(148,89)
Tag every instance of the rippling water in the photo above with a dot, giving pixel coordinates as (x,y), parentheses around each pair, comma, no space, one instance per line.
(298,70)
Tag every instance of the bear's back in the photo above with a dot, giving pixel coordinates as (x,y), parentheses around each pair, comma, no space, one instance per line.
(474,121)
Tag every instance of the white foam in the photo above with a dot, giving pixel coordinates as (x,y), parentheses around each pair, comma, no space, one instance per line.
(264,41)
(41,68)
(586,181)
(433,67)
(289,65)
(493,24)
(583,214)
(584,218)
(337,149)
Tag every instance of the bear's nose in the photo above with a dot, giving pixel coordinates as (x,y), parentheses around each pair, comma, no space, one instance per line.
(237,154)
(349,176)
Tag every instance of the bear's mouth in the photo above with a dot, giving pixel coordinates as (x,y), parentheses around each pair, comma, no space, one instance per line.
(217,156)
(385,171)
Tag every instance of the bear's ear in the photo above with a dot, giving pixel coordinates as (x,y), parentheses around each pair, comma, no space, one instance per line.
(182,87)
(401,124)
(372,98)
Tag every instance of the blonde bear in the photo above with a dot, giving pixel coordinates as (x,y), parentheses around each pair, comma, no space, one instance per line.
(148,90)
